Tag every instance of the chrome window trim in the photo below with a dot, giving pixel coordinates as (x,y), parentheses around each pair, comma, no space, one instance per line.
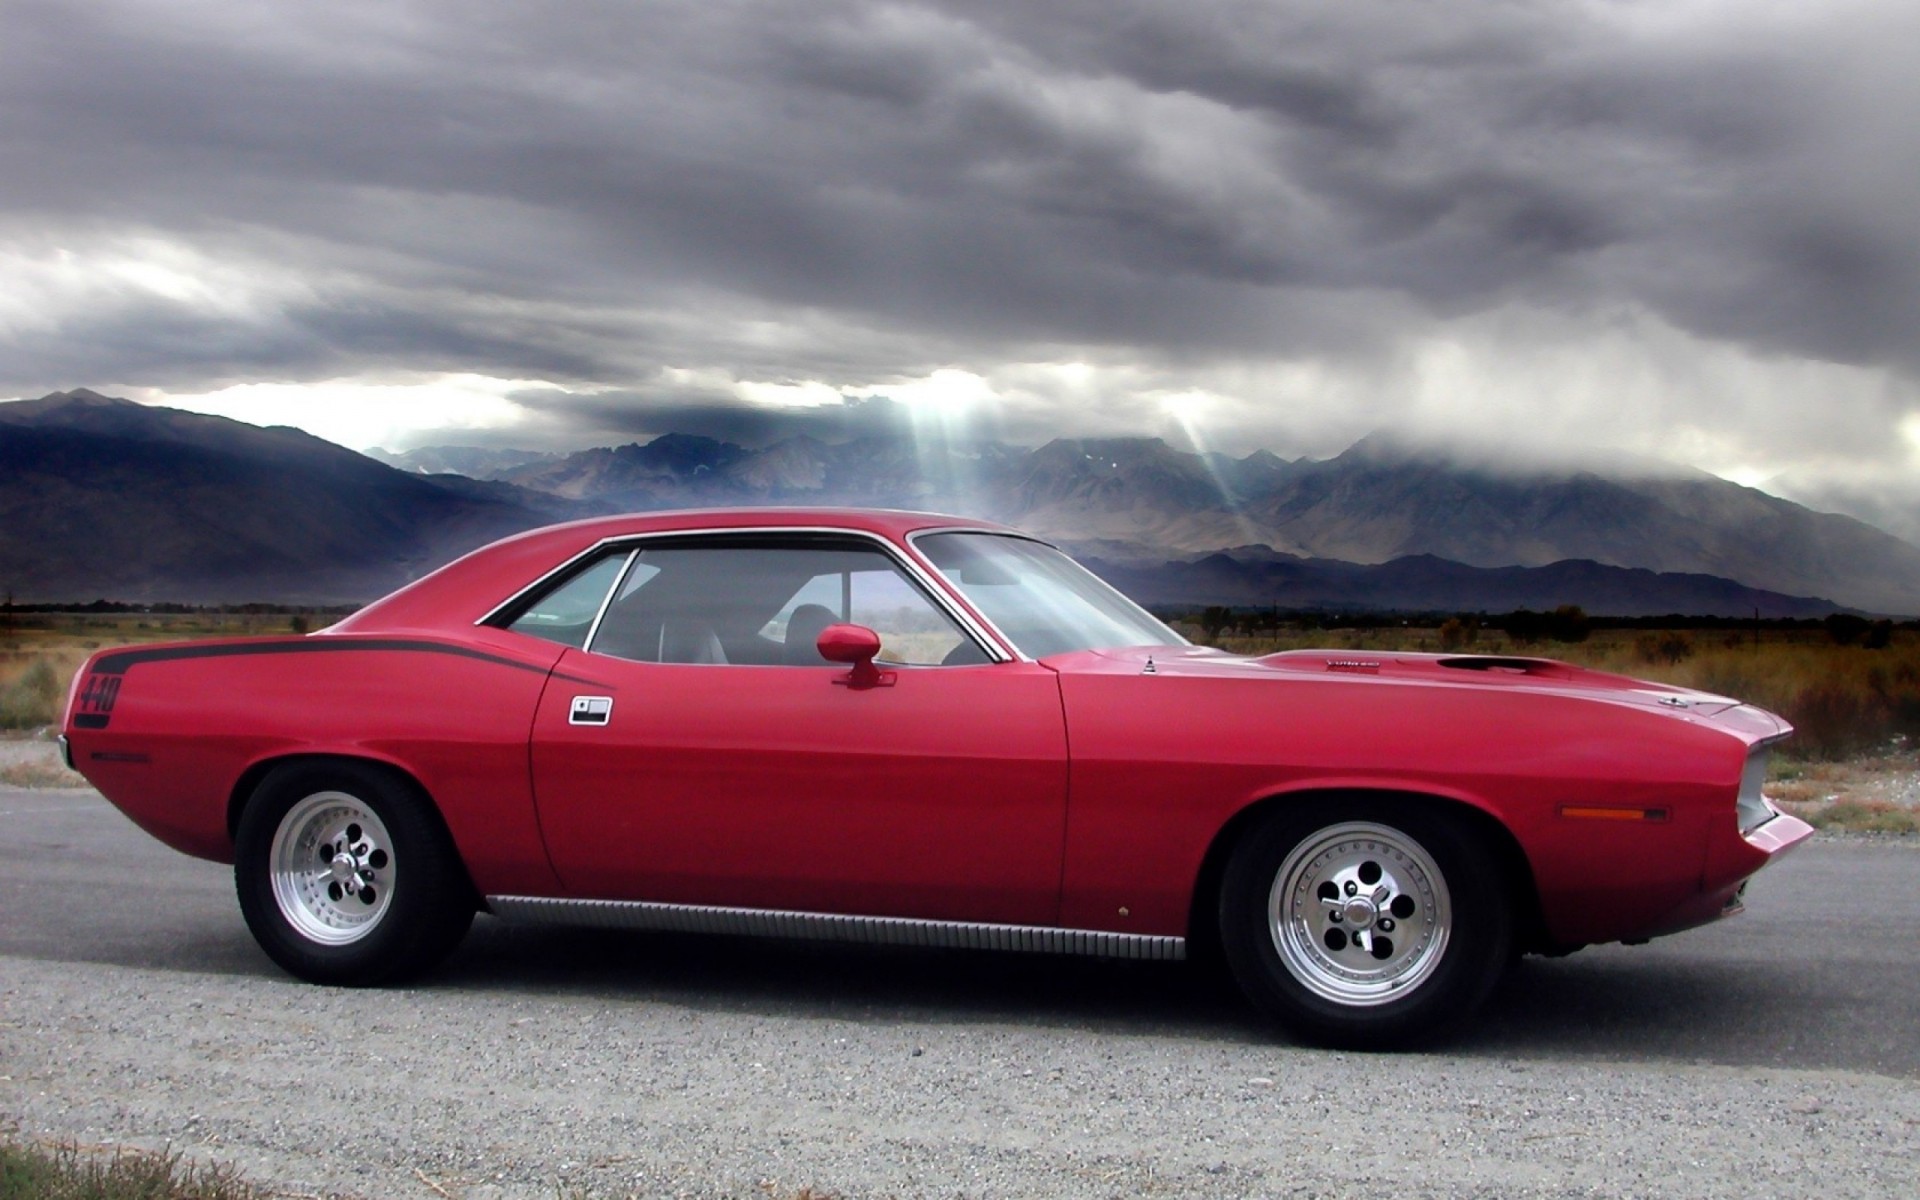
(493,614)
(984,619)
(836,927)
(606,601)
(997,648)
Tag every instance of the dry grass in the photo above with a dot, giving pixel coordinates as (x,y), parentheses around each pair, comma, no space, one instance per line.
(1865,816)
(66,1171)
(1844,701)
(1865,795)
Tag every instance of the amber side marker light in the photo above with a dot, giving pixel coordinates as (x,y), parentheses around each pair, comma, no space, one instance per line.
(1574,813)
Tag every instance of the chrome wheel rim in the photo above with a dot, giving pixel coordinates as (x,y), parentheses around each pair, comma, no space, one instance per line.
(332,868)
(1360,914)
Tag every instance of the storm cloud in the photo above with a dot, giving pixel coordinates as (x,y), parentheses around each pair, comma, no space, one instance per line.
(1683,227)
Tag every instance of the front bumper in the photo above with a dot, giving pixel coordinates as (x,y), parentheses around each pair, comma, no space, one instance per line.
(1731,866)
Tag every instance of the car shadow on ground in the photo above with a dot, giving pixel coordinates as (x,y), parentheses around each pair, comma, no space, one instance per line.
(1615,1004)
(840,981)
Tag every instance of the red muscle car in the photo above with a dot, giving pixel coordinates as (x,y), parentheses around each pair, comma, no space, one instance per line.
(903,728)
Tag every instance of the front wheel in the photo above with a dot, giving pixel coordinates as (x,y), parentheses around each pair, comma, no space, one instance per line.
(1373,924)
(345,875)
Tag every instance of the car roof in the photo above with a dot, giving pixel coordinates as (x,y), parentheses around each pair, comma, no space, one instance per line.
(468,588)
(892,522)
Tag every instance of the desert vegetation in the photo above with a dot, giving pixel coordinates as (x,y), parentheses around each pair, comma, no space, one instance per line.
(66,1171)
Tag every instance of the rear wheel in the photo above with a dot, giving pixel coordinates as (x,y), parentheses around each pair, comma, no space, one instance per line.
(346,876)
(1371,924)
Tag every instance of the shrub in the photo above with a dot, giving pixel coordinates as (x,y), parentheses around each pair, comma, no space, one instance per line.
(1845,628)
(1568,623)
(1523,626)
(1215,619)
(67,1173)
(1865,816)
(1834,720)
(1898,691)
(32,699)
(1669,646)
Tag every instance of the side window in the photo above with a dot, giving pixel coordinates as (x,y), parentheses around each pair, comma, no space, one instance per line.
(869,590)
(761,602)
(911,629)
(566,613)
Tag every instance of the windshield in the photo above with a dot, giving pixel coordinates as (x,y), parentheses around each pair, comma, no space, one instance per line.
(1042,600)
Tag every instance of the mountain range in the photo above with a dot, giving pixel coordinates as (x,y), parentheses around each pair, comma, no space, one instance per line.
(1140,502)
(105,497)
(108,498)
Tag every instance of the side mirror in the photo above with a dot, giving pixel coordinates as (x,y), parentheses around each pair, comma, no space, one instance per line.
(855,645)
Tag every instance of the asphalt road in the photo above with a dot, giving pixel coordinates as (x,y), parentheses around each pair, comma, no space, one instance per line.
(1774,1054)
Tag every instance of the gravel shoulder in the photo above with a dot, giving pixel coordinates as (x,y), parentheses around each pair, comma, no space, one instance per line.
(31,759)
(1890,779)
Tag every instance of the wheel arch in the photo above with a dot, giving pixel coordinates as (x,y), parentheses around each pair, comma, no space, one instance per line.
(1529,924)
(250,780)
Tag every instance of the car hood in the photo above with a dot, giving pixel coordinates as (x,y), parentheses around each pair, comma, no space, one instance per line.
(1543,676)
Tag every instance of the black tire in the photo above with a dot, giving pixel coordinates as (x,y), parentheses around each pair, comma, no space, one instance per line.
(346,875)
(1337,955)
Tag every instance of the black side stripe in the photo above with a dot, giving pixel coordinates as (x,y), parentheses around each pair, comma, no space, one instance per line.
(118,662)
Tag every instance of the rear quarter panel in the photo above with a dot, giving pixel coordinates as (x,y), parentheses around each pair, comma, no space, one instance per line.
(1161,763)
(184,723)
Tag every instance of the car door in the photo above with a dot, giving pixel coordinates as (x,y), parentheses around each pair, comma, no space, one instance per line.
(716,759)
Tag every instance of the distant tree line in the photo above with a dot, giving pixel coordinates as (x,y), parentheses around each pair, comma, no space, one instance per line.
(1848,629)
(1568,623)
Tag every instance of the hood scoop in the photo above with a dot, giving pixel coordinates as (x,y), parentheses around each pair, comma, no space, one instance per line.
(1496,665)
(1462,668)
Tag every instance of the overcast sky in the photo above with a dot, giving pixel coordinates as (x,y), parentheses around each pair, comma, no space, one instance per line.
(1681,228)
